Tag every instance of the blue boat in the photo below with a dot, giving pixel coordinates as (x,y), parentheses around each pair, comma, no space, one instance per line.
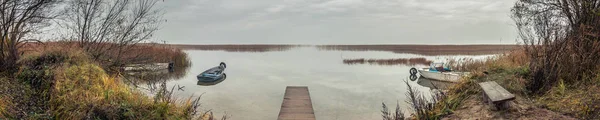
(213,74)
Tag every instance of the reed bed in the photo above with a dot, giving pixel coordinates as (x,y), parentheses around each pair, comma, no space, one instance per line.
(424,107)
(236,48)
(426,49)
(397,61)
(135,54)
(63,82)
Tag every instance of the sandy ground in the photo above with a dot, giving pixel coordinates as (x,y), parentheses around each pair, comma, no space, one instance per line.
(474,109)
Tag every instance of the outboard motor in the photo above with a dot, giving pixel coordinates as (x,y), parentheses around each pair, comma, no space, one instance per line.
(223,65)
(171,67)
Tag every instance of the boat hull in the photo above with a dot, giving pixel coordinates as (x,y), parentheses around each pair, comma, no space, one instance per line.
(212,74)
(442,76)
(211,81)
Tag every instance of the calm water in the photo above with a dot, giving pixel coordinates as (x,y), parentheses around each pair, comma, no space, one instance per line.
(256,82)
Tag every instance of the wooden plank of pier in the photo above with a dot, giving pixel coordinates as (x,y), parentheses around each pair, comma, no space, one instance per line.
(296,104)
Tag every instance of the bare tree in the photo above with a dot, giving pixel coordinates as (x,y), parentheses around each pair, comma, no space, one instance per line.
(107,28)
(18,19)
(562,39)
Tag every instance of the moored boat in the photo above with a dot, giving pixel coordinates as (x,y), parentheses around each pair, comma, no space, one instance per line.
(213,74)
(211,83)
(441,72)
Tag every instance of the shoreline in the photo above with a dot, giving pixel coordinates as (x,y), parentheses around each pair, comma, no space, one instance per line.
(432,50)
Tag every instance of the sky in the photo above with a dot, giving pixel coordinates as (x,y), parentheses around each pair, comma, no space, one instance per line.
(337,22)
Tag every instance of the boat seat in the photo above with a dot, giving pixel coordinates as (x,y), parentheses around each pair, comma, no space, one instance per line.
(496,95)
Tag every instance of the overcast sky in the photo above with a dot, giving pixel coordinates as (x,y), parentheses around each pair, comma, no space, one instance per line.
(337,22)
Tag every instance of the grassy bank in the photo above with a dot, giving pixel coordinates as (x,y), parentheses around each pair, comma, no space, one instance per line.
(511,71)
(60,82)
(442,104)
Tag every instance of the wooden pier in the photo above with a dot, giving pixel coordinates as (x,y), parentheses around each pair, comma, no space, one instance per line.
(296,104)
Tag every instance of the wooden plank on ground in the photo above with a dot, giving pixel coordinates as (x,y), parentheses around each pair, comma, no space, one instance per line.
(495,92)
(296,104)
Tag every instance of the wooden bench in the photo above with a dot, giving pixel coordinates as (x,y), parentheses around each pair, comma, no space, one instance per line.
(496,95)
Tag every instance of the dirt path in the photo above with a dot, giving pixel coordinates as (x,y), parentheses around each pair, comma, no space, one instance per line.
(474,109)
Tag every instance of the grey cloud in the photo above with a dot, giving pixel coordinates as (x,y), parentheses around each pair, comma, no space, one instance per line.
(338,21)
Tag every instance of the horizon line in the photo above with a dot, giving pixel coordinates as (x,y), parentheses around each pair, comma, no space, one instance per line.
(322,44)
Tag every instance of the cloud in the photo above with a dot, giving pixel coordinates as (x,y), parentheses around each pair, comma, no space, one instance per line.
(275,9)
(338,21)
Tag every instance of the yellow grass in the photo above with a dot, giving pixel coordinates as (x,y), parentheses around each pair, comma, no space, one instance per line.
(81,89)
(4,105)
(581,101)
(511,70)
(502,66)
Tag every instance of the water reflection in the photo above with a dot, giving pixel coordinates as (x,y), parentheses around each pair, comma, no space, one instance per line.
(413,77)
(211,83)
(152,80)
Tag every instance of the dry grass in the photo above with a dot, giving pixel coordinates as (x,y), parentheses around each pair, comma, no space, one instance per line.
(511,71)
(396,115)
(135,54)
(563,40)
(440,105)
(506,69)
(512,59)
(562,50)
(398,61)
(235,48)
(72,86)
(3,107)
(145,53)
(83,91)
(578,102)
(427,49)
(5,103)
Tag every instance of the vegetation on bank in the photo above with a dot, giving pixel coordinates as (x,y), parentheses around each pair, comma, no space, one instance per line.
(79,76)
(135,54)
(512,71)
(64,83)
(557,67)
(510,65)
(426,49)
(396,61)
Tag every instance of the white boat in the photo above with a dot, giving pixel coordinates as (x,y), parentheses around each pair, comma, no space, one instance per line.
(441,75)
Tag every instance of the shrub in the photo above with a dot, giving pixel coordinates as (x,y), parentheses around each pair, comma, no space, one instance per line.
(562,39)
(38,67)
(74,87)
(397,115)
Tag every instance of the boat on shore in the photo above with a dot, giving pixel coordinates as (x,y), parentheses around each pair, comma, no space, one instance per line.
(441,72)
(213,74)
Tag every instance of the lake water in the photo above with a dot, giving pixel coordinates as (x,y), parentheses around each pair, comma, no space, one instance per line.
(256,82)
